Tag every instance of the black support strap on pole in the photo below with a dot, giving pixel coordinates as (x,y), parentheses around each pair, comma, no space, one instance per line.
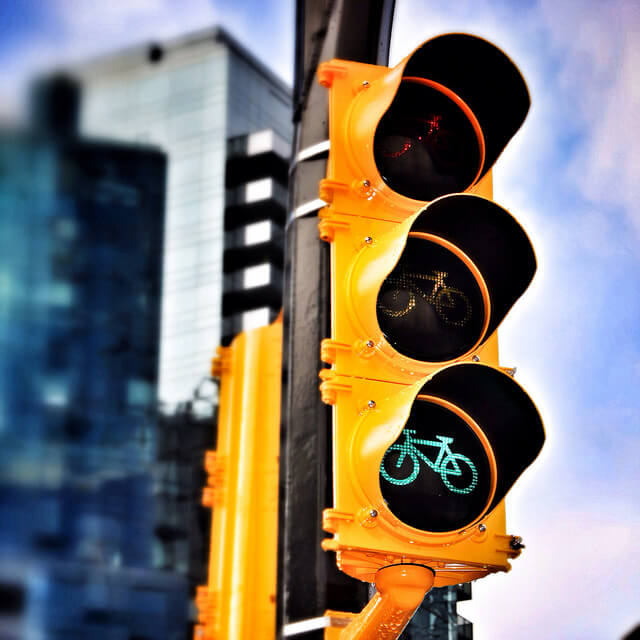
(308,579)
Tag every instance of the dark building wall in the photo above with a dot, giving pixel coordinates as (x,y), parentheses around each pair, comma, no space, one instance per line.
(81,229)
(80,264)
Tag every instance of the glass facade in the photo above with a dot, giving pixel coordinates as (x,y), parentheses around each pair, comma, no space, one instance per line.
(81,245)
(81,232)
(187,97)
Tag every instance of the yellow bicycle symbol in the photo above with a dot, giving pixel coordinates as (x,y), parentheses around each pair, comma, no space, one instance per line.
(451,304)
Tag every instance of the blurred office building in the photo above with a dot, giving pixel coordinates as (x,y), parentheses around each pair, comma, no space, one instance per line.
(224,121)
(256,171)
(81,237)
(191,96)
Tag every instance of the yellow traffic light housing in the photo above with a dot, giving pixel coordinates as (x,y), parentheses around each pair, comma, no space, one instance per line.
(429,432)
(412,296)
(429,126)
(420,470)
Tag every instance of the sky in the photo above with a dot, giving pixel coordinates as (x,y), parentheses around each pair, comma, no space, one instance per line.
(571,177)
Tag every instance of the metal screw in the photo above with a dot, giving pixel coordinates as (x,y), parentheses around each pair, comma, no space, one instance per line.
(371,404)
(373,513)
(482,528)
(516,543)
(368,239)
(476,358)
(366,183)
(365,83)
(370,344)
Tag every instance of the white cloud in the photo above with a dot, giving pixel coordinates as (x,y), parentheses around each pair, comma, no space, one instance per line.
(600,45)
(570,176)
(577,578)
(580,60)
(80,30)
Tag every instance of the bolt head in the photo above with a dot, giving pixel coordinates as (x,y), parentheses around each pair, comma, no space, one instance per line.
(516,543)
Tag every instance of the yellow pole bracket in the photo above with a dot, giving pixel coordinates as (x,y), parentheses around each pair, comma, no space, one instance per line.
(400,590)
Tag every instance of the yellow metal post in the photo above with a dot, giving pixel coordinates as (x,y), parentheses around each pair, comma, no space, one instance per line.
(239,599)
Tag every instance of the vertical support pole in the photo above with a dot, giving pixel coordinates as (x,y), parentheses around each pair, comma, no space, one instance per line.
(308,580)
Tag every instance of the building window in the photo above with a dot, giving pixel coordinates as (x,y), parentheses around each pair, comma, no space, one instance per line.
(139,393)
(256,276)
(255,318)
(55,393)
(258,190)
(258,232)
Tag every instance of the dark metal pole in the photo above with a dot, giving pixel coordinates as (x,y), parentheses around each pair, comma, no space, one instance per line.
(308,580)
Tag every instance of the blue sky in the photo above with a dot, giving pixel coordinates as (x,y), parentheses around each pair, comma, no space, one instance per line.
(571,177)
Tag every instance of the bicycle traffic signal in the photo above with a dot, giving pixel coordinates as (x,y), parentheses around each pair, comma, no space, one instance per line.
(434,124)
(430,433)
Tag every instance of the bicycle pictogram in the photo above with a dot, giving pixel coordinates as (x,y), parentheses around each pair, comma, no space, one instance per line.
(447,464)
(451,304)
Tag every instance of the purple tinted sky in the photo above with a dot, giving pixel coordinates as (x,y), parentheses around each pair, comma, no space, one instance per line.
(571,177)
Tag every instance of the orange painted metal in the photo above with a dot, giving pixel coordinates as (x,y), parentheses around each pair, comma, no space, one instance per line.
(239,600)
(370,385)
(363,254)
(365,369)
(365,543)
(360,94)
(400,590)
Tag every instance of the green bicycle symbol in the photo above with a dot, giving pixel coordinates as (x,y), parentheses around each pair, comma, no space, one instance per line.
(447,464)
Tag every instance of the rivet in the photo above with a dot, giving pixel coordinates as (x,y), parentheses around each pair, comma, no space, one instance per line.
(373,513)
(370,344)
(368,239)
(365,83)
(482,527)
(371,404)
(476,358)
(366,183)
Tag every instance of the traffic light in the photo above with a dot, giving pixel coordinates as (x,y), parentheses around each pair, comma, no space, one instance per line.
(242,489)
(430,433)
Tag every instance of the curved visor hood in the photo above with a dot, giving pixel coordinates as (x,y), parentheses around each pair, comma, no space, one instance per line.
(504,412)
(463,265)
(458,102)
(494,241)
(481,75)
(471,432)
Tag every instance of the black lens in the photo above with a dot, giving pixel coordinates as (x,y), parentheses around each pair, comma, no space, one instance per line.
(425,146)
(430,307)
(436,476)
